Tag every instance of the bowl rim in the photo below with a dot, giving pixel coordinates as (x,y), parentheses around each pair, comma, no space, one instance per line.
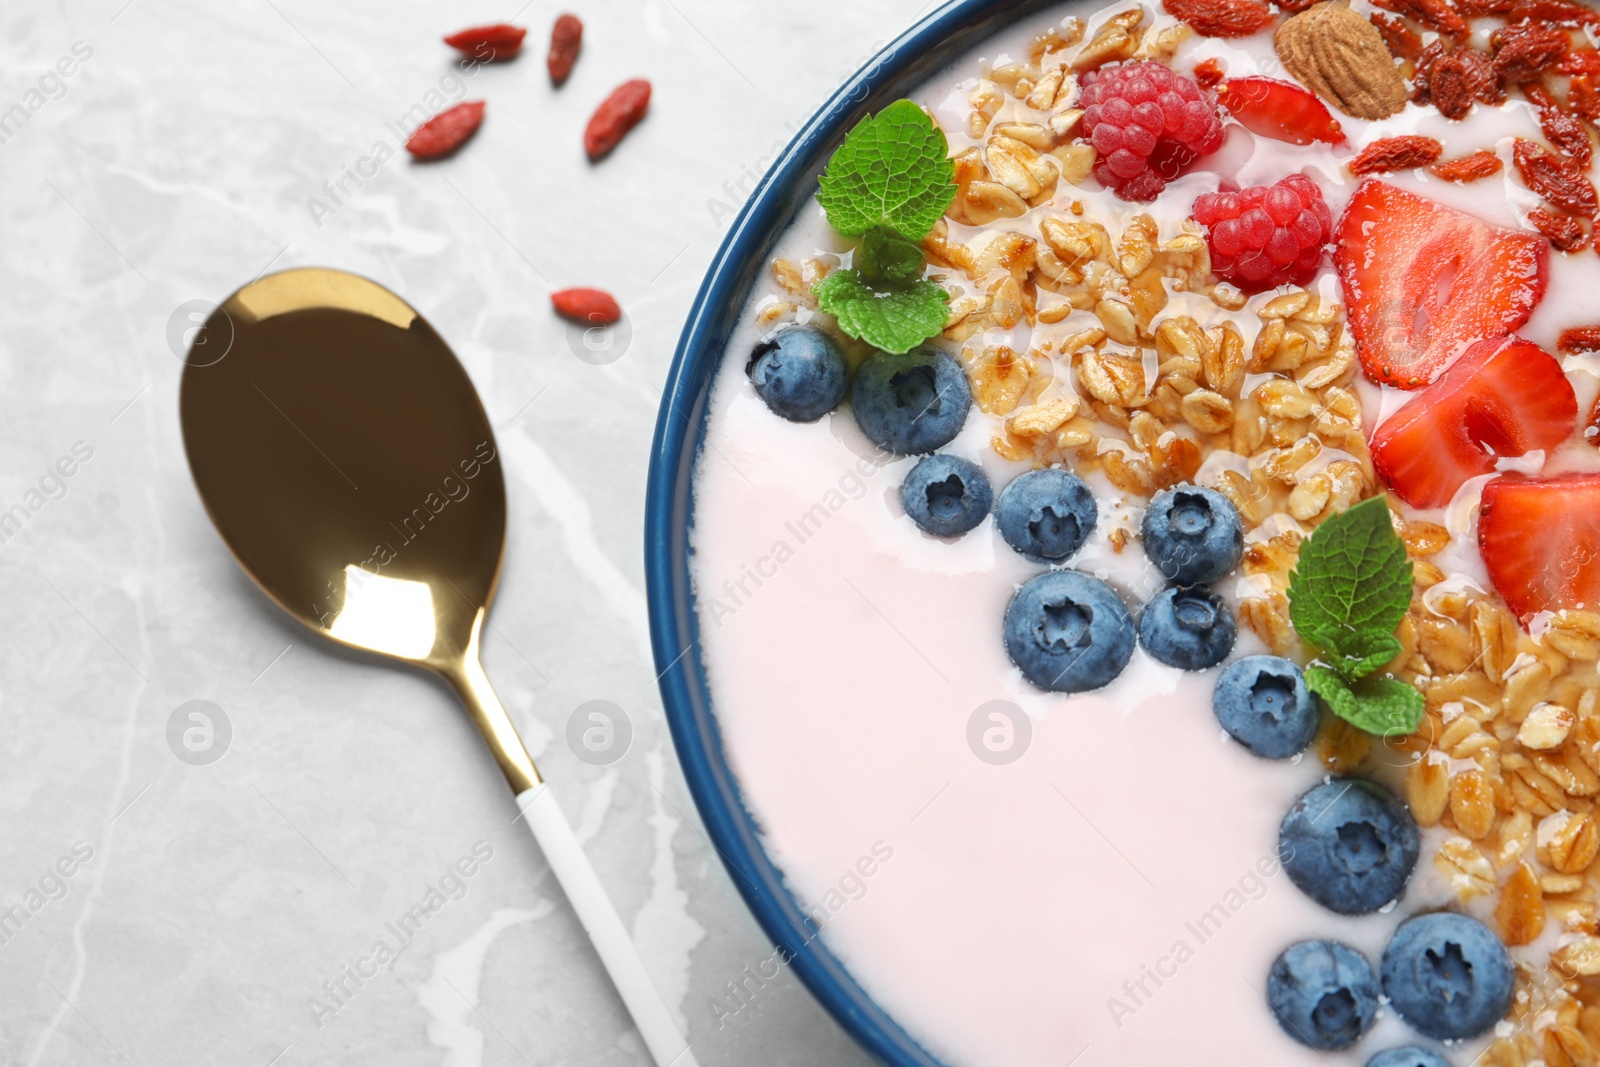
(933,43)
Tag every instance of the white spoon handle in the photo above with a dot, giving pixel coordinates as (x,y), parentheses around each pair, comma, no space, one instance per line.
(604,927)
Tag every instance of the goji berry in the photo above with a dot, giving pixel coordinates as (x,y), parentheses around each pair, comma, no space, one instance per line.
(1584,98)
(1403,41)
(566,37)
(1221,18)
(1294,7)
(447,131)
(1522,52)
(1434,14)
(1396,153)
(1580,339)
(1208,73)
(619,113)
(1565,130)
(1469,168)
(1553,13)
(1477,9)
(1556,179)
(489,43)
(1564,231)
(1580,61)
(594,306)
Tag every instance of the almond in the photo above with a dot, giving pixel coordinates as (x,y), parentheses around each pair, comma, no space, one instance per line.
(1342,58)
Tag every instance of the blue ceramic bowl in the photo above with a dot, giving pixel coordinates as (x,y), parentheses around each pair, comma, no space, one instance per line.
(934,43)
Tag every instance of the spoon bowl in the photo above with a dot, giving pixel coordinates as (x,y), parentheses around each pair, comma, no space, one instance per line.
(343,455)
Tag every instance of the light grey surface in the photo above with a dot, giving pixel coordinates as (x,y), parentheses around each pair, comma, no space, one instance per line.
(174,164)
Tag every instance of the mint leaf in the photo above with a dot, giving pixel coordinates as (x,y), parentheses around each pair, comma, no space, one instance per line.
(1352,576)
(1387,707)
(1355,654)
(893,170)
(894,318)
(886,256)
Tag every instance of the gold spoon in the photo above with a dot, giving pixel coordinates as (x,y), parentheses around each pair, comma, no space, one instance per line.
(345,458)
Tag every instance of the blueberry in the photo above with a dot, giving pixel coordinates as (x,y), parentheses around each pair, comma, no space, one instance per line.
(1046,514)
(1263,703)
(1187,628)
(1349,845)
(1447,975)
(946,495)
(1323,993)
(1068,632)
(799,372)
(1193,535)
(911,403)
(1409,1056)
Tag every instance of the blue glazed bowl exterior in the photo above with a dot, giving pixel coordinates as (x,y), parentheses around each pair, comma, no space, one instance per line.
(934,43)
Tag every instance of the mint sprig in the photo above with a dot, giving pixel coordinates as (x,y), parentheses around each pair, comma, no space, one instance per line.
(889,183)
(893,170)
(1350,588)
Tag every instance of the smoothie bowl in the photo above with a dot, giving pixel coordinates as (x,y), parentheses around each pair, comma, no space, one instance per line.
(1124,539)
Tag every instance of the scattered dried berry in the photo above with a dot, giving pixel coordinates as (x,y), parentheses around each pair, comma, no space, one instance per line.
(616,115)
(1208,73)
(1451,78)
(1469,168)
(566,37)
(1449,87)
(1522,52)
(1565,130)
(1556,179)
(1396,153)
(447,131)
(1477,9)
(1402,40)
(1584,98)
(593,306)
(1580,339)
(1434,14)
(1553,12)
(1221,18)
(1580,61)
(1564,231)
(491,44)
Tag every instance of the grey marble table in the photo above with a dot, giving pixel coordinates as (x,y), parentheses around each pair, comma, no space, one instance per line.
(166,911)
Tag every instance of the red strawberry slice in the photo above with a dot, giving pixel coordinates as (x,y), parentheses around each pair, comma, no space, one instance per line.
(1540,539)
(1503,397)
(1423,281)
(1280,110)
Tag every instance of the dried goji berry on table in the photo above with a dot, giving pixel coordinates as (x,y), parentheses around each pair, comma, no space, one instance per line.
(1580,339)
(1396,153)
(594,306)
(447,131)
(1434,14)
(1564,231)
(1556,179)
(1221,18)
(1565,130)
(489,43)
(1469,168)
(1522,52)
(619,113)
(566,37)
(1403,41)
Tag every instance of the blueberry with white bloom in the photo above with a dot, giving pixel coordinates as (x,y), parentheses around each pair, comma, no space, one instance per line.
(1190,629)
(1046,514)
(1192,535)
(1323,994)
(799,372)
(1350,845)
(946,495)
(1068,632)
(1263,703)
(911,403)
(1447,975)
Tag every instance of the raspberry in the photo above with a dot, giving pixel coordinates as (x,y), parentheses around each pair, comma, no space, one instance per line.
(1147,124)
(1267,235)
